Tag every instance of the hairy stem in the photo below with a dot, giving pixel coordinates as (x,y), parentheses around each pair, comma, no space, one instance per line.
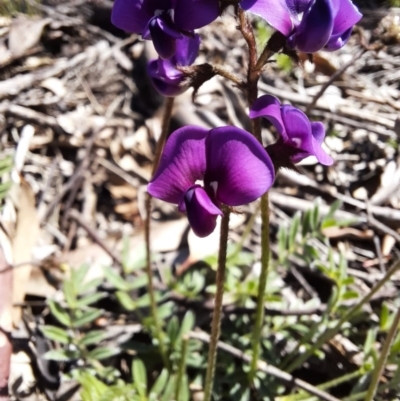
(382,359)
(327,335)
(150,286)
(216,320)
(253,75)
(265,255)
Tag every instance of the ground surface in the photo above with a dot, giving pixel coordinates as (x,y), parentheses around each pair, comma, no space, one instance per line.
(81,119)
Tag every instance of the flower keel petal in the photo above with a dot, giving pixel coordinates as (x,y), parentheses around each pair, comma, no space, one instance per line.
(201,211)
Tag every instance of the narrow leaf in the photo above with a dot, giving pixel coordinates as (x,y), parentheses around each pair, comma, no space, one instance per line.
(87,317)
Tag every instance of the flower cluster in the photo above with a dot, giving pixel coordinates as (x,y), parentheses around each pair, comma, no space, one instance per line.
(308,25)
(204,171)
(164,21)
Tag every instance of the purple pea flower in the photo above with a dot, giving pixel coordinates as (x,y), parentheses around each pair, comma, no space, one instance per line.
(166,78)
(309,25)
(163,21)
(234,167)
(299,138)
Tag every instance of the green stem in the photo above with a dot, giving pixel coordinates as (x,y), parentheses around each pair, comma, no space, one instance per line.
(345,318)
(216,321)
(382,359)
(265,254)
(150,286)
(182,367)
(253,76)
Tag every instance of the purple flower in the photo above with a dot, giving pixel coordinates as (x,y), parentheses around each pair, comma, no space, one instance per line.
(166,78)
(163,21)
(234,167)
(299,138)
(309,25)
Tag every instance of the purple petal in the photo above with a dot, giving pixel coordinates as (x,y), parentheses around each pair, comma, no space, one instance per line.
(163,37)
(296,123)
(194,14)
(166,78)
(315,28)
(297,7)
(275,12)
(336,42)
(130,15)
(239,169)
(182,163)
(318,133)
(187,50)
(201,211)
(269,107)
(346,16)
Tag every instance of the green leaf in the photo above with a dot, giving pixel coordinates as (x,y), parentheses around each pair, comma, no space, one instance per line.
(306,223)
(125,300)
(6,165)
(326,223)
(144,300)
(138,261)
(184,393)
(384,323)
(61,355)
(78,277)
(166,310)
(369,341)
(69,293)
(87,317)
(92,388)
(4,188)
(294,228)
(90,285)
(100,353)
(90,299)
(125,253)
(115,279)
(187,323)
(282,243)
(139,376)
(315,215)
(350,295)
(93,337)
(173,329)
(336,205)
(159,385)
(169,389)
(56,334)
(138,282)
(59,313)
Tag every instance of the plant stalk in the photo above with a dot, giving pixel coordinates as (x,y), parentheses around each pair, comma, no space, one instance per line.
(382,359)
(216,320)
(150,286)
(265,255)
(253,76)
